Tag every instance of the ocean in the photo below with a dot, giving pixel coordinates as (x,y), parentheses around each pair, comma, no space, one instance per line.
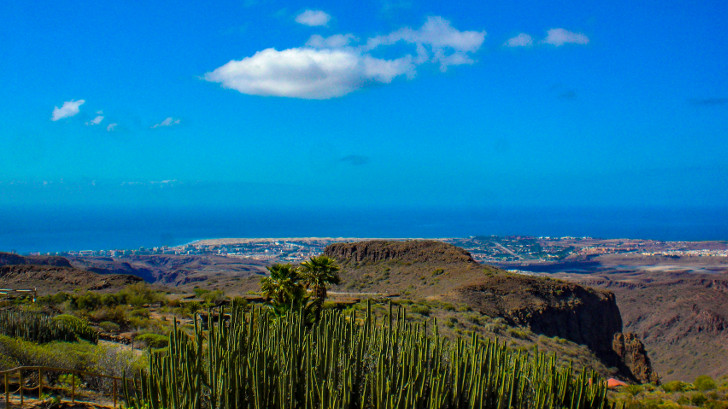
(38,229)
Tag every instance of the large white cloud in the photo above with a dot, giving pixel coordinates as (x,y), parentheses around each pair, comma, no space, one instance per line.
(313,18)
(559,37)
(332,67)
(67,110)
(307,72)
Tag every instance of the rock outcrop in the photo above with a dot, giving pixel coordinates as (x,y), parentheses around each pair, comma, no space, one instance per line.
(631,352)
(12,259)
(420,251)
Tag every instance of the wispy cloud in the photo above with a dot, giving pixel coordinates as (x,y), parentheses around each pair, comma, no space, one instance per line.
(521,40)
(709,101)
(169,121)
(334,41)
(97,120)
(111,127)
(67,110)
(559,36)
(355,160)
(436,41)
(313,18)
(332,67)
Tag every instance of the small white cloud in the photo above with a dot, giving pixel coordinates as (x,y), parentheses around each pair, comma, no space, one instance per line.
(334,41)
(169,121)
(69,109)
(96,120)
(521,40)
(313,18)
(558,37)
(111,127)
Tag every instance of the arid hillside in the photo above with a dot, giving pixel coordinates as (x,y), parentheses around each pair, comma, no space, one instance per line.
(53,274)
(682,317)
(439,271)
(234,275)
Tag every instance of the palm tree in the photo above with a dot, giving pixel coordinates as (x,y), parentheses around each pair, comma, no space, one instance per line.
(282,288)
(317,273)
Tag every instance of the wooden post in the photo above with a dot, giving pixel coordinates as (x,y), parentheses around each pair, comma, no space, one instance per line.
(40,383)
(7,391)
(114,392)
(20,375)
(73,388)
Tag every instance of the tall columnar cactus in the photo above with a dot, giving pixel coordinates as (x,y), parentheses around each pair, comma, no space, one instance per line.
(344,361)
(37,327)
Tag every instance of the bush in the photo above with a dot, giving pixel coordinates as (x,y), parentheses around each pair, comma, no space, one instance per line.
(78,326)
(139,294)
(214,298)
(71,355)
(116,314)
(704,383)
(698,399)
(109,326)
(153,340)
(420,309)
(675,386)
(517,333)
(633,390)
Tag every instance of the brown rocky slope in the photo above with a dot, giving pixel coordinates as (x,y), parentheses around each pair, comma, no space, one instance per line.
(437,270)
(53,274)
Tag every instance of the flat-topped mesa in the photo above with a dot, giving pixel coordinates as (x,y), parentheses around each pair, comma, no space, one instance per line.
(11,259)
(414,251)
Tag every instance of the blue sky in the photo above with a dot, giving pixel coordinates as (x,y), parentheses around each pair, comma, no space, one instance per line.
(378,104)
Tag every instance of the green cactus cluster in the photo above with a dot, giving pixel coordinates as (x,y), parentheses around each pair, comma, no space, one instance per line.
(38,327)
(249,360)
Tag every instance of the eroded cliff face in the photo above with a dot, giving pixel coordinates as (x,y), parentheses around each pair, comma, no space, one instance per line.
(631,352)
(551,307)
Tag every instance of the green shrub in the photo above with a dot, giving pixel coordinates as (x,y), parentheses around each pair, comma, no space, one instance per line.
(675,386)
(141,293)
(7,362)
(420,309)
(214,298)
(704,383)
(153,340)
(78,326)
(698,399)
(517,333)
(109,326)
(633,390)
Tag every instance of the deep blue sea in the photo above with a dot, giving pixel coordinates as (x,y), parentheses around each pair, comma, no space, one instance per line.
(27,230)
